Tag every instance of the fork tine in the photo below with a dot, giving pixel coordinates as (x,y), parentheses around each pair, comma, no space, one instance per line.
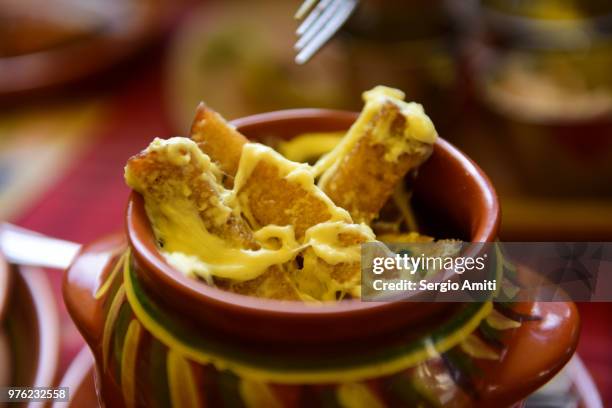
(328,31)
(304,8)
(319,25)
(312,17)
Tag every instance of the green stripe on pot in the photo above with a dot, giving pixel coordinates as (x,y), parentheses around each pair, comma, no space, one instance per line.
(158,373)
(121,325)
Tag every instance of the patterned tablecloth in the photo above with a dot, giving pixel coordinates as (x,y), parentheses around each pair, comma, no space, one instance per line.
(61,173)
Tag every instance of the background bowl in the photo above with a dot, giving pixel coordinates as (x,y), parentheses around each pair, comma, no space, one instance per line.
(29,331)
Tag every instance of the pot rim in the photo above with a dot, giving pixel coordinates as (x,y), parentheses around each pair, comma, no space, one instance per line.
(143,247)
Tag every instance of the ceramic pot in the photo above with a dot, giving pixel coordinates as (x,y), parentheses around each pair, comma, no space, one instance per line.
(162,339)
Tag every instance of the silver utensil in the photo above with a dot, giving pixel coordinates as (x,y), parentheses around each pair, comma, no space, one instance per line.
(24,247)
(322,19)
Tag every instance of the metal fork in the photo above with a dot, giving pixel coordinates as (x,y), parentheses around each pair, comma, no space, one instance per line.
(325,17)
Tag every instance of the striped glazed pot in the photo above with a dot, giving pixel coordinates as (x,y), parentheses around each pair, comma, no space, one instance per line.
(161,339)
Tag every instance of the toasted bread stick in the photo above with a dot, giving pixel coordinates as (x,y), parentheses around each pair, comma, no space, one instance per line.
(389,139)
(269,196)
(218,139)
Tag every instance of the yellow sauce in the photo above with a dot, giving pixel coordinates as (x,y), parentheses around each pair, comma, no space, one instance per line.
(309,146)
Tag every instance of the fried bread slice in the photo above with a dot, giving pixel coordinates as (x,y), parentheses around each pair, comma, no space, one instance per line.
(218,139)
(389,139)
(198,232)
(271,189)
(168,170)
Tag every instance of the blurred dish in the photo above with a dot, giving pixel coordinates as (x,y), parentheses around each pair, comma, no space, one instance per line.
(49,43)
(240,60)
(545,92)
(29,334)
(529,219)
(410,45)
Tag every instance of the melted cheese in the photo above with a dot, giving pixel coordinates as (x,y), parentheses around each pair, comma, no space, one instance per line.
(403,201)
(309,146)
(324,240)
(180,151)
(419,128)
(192,249)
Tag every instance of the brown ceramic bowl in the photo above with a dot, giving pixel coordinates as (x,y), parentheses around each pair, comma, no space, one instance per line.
(448,174)
(29,332)
(45,54)
(159,336)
